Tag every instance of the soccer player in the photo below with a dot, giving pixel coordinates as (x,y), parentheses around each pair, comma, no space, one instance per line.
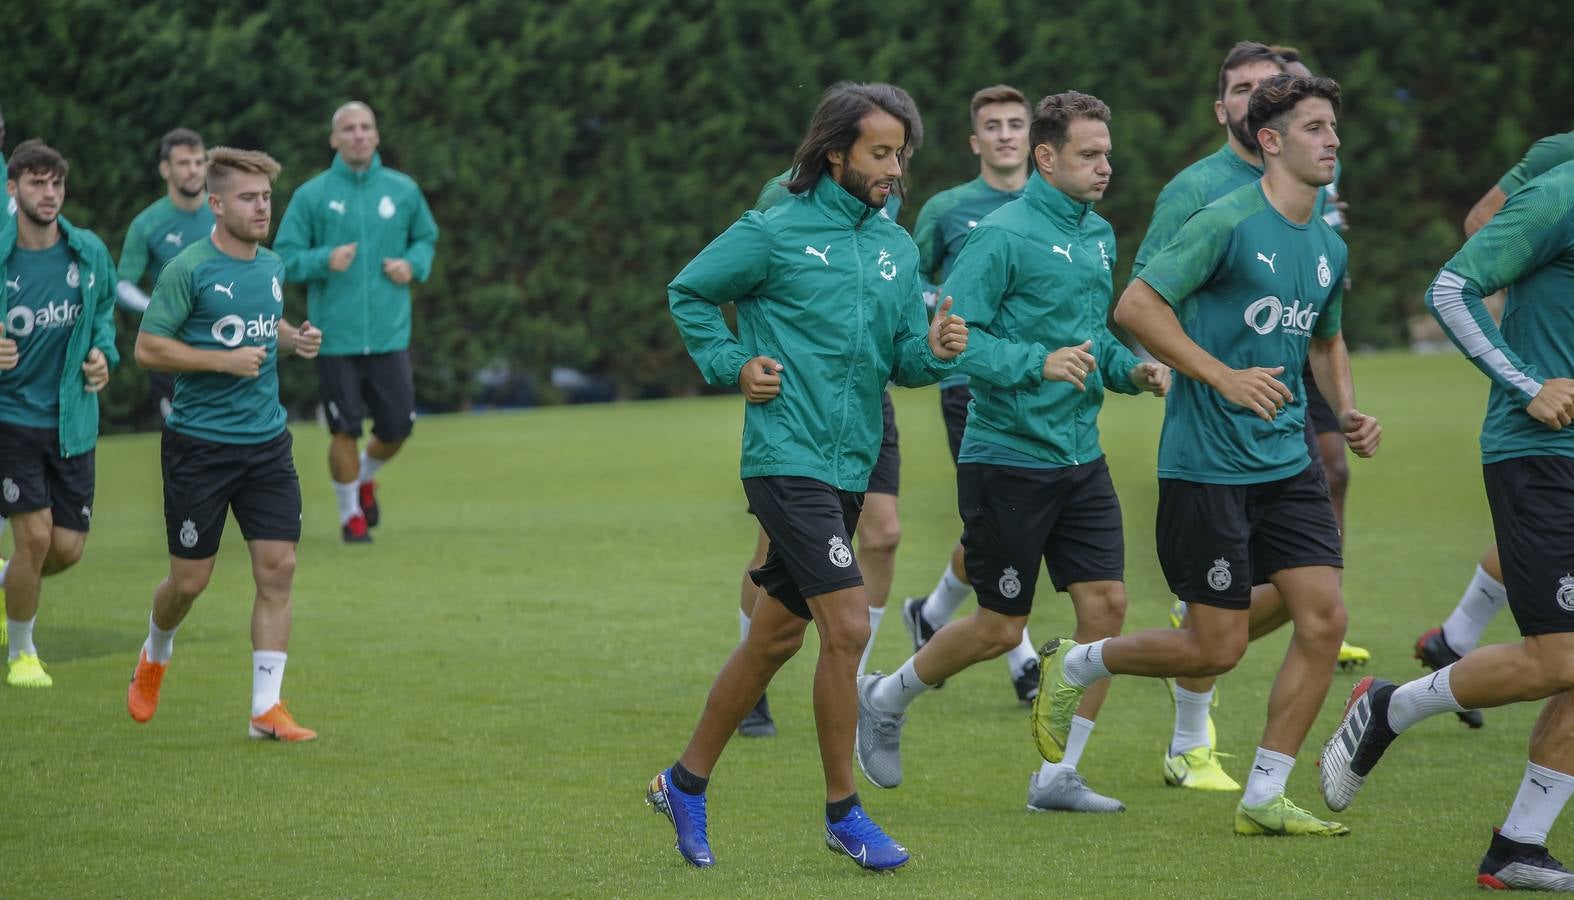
(829,310)
(171,223)
(1251,284)
(216,321)
(1032,483)
(57,347)
(1485,595)
(358,234)
(1000,118)
(1527,454)
(1190,761)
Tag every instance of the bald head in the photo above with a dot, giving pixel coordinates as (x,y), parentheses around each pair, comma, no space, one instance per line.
(354,134)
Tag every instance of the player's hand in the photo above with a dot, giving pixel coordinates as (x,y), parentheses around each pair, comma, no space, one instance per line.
(1361,432)
(244,362)
(947,333)
(1552,407)
(1070,364)
(308,340)
(1151,377)
(398,271)
(761,379)
(8,357)
(95,370)
(1256,389)
(341,257)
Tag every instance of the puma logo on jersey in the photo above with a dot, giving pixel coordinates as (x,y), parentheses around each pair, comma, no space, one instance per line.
(820,253)
(174,238)
(1269,260)
(337,206)
(1063,251)
(14,284)
(227,290)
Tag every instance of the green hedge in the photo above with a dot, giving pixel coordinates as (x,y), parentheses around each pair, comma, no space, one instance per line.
(577,153)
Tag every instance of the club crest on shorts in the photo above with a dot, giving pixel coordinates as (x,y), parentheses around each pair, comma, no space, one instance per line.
(10,490)
(1219,577)
(1325,275)
(188,534)
(841,557)
(385,207)
(1010,584)
(1565,585)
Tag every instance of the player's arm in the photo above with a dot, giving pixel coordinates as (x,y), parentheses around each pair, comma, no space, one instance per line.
(304,341)
(927,351)
(1330,362)
(133,265)
(303,260)
(423,240)
(1484,210)
(157,347)
(1124,372)
(978,282)
(732,267)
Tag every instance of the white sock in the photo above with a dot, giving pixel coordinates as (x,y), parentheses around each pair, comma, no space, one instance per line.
(1541,797)
(1481,601)
(876,613)
(21,638)
(1429,695)
(942,602)
(1081,730)
(1085,663)
(896,691)
(743,625)
(1021,655)
(267,678)
(1191,720)
(369,467)
(160,645)
(349,497)
(1270,771)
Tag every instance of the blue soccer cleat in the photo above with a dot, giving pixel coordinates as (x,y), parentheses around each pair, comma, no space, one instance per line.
(686,812)
(860,838)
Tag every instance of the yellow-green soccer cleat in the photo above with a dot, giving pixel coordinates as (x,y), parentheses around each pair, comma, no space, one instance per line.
(1351,656)
(27,671)
(1281,818)
(1056,702)
(1177,613)
(1198,769)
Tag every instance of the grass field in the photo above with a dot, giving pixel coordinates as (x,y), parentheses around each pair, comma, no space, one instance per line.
(532,636)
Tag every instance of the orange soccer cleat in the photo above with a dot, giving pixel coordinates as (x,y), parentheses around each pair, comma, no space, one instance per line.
(278,725)
(142,694)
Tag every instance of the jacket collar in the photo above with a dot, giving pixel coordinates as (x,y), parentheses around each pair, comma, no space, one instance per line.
(842,207)
(73,236)
(1235,161)
(1055,203)
(343,168)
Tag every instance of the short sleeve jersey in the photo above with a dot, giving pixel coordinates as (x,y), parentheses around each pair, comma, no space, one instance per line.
(157,235)
(1543,156)
(1251,288)
(212,301)
(43,302)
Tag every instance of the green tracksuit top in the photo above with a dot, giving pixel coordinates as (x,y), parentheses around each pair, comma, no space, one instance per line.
(1542,157)
(93,325)
(829,288)
(1036,276)
(158,234)
(381,210)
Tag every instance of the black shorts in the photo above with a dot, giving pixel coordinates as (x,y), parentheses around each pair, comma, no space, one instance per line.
(1320,418)
(1013,517)
(203,480)
(1532,500)
(953,410)
(887,475)
(34,477)
(811,527)
(379,384)
(1217,540)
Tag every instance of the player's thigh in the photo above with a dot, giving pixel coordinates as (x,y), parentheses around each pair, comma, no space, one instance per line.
(388,384)
(24,470)
(810,525)
(71,486)
(1532,502)
(1204,543)
(1293,525)
(199,478)
(1087,542)
(339,389)
(1007,514)
(267,501)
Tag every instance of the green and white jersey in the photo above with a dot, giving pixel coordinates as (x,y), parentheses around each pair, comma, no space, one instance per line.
(158,234)
(212,301)
(1252,288)
(43,302)
(1528,247)
(1542,157)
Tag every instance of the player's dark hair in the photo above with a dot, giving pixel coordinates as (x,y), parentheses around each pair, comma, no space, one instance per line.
(180,137)
(837,123)
(33,155)
(1286,53)
(1277,97)
(995,93)
(225,162)
(1054,114)
(1243,53)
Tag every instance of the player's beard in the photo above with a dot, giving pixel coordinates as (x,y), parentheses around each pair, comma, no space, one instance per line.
(31,213)
(1238,128)
(192,193)
(856,184)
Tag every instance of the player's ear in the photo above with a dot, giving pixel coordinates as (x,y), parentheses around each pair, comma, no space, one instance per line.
(163,168)
(1044,159)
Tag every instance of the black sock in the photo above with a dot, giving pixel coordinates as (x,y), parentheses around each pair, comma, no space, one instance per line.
(687,781)
(837,811)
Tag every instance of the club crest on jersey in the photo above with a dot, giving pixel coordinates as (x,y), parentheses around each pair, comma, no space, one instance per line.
(1325,275)
(385,207)
(887,266)
(841,557)
(73,275)
(1219,577)
(188,534)
(10,490)
(278,290)
(1010,584)
(1565,586)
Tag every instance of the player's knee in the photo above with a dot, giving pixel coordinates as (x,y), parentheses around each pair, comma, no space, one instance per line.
(1338,470)
(1104,612)
(188,585)
(1218,656)
(1324,625)
(32,535)
(62,556)
(879,537)
(847,637)
(276,574)
(782,647)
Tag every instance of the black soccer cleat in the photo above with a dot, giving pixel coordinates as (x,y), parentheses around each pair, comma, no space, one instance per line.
(1510,865)
(1026,684)
(1434,653)
(758,723)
